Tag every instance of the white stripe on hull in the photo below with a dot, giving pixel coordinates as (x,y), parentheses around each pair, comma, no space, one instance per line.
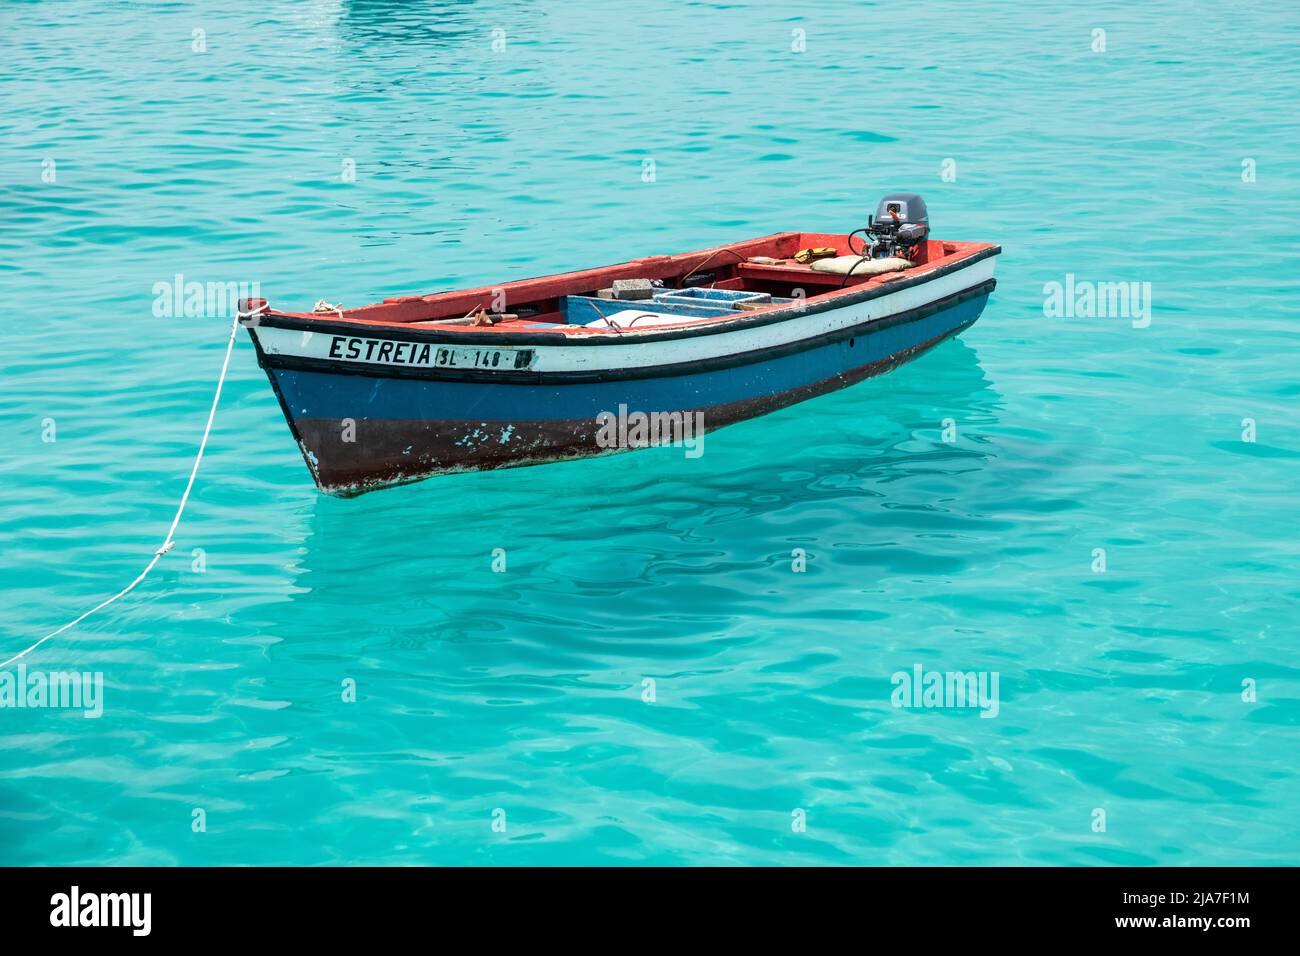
(561,358)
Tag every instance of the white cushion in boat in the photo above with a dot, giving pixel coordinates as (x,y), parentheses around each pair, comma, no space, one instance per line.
(841,265)
(639,319)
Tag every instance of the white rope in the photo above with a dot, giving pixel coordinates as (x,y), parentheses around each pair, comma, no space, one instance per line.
(169,542)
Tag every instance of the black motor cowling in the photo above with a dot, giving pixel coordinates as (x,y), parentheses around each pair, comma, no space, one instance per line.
(901,223)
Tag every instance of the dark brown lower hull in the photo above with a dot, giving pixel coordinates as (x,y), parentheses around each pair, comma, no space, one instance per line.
(350,457)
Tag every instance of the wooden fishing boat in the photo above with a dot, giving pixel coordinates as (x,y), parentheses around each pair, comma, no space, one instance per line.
(531,371)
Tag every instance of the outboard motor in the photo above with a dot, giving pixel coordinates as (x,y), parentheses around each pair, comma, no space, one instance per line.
(900,225)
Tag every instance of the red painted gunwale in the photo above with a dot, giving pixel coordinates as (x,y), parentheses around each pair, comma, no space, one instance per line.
(433,311)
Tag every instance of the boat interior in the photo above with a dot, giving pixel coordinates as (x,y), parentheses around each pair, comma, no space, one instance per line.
(659,290)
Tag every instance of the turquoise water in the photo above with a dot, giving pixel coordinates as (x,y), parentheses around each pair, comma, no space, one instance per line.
(523,691)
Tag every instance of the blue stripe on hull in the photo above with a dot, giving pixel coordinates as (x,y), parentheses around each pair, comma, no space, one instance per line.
(324,395)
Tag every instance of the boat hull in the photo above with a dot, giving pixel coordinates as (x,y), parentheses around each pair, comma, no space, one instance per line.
(363,428)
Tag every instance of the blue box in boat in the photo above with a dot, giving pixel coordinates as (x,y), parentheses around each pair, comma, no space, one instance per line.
(721,296)
(692,303)
(723,300)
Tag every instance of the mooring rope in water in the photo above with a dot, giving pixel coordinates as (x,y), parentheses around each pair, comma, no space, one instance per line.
(169,541)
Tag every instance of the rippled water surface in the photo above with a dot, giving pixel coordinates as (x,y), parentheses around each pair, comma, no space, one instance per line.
(522,691)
